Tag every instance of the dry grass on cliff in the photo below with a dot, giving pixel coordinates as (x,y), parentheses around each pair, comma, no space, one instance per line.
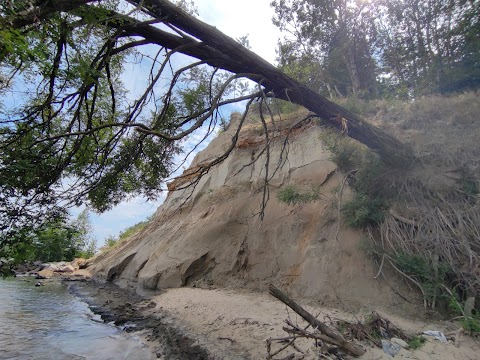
(431,231)
(427,215)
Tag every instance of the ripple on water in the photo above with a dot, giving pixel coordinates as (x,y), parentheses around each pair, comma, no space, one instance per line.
(48,323)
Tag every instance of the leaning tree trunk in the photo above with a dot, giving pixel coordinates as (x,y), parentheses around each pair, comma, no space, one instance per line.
(202,41)
(219,50)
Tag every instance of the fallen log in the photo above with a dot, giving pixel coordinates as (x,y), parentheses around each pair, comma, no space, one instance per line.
(338,339)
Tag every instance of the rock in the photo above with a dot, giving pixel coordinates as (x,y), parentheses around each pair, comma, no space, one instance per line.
(390,348)
(67,268)
(400,342)
(21,268)
(218,239)
(78,263)
(436,334)
(46,273)
(52,267)
(38,276)
(39,284)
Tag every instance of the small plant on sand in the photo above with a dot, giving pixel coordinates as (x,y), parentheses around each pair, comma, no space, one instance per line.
(416,342)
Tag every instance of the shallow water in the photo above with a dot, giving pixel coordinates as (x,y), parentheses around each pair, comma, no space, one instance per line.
(48,322)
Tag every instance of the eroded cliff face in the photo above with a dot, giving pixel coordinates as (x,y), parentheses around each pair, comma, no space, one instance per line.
(212,235)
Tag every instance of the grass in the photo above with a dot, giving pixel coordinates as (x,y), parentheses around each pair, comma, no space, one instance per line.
(417,342)
(291,196)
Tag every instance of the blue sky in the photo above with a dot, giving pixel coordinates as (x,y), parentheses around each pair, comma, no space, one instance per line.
(236,19)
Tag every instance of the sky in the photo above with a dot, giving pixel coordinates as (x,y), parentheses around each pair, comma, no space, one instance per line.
(236,19)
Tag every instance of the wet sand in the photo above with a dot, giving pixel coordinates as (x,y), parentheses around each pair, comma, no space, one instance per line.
(134,313)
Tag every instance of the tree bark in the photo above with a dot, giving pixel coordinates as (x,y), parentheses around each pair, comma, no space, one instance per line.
(221,51)
(206,43)
(339,340)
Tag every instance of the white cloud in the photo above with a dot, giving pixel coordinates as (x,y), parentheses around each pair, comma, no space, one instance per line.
(239,18)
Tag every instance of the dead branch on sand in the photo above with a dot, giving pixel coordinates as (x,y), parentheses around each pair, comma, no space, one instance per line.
(322,331)
(336,339)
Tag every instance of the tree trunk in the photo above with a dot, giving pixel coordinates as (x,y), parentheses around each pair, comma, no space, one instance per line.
(221,51)
(352,65)
(206,43)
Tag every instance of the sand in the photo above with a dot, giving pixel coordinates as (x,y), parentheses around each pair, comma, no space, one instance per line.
(235,324)
(194,323)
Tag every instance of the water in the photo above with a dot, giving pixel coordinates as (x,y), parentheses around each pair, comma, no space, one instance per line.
(49,323)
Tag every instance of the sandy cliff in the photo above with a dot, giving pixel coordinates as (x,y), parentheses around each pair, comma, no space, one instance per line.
(211,235)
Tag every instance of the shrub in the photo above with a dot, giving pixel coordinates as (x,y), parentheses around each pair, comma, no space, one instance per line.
(344,153)
(111,241)
(365,176)
(291,196)
(430,277)
(363,210)
(469,323)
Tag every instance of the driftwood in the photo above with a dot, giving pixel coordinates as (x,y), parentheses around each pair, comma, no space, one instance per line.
(328,335)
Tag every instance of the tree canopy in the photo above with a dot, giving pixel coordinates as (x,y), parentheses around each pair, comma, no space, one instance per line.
(74,129)
(381,48)
(58,239)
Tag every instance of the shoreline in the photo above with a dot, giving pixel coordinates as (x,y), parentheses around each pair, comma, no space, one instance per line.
(132,313)
(195,323)
(212,323)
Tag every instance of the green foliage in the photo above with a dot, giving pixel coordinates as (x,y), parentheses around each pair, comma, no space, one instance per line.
(59,239)
(470,323)
(320,51)
(131,230)
(112,241)
(56,242)
(431,277)
(416,342)
(344,153)
(66,120)
(341,47)
(89,249)
(363,210)
(365,176)
(291,196)
(13,42)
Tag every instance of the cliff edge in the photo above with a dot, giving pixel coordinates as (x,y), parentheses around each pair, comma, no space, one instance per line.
(211,234)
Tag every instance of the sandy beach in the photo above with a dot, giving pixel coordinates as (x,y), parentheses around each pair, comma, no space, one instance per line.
(193,323)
